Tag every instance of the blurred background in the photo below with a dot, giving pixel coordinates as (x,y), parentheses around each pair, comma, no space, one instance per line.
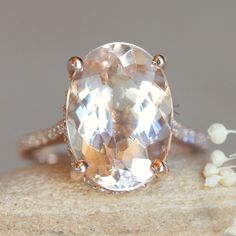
(37,37)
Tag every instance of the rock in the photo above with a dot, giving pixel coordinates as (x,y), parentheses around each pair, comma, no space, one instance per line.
(43,200)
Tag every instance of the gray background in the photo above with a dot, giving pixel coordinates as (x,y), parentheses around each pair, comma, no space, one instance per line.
(37,37)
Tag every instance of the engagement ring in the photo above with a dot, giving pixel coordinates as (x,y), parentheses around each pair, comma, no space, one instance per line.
(118,119)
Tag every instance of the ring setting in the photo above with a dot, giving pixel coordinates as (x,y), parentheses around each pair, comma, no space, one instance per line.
(118,122)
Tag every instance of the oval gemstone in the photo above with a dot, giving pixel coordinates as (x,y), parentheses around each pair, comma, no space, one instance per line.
(119,115)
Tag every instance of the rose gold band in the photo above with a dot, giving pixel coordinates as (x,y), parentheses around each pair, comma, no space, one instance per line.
(39,139)
(198,140)
(56,134)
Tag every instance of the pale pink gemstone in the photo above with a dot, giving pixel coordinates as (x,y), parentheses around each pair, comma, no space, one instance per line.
(119,116)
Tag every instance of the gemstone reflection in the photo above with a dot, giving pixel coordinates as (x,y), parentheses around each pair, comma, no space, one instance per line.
(119,116)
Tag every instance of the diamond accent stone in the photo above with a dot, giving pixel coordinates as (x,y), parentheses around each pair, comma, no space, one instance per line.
(119,114)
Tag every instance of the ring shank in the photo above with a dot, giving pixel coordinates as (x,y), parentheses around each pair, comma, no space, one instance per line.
(56,134)
(198,140)
(39,139)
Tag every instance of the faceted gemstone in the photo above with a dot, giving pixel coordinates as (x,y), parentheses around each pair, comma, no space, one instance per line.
(119,116)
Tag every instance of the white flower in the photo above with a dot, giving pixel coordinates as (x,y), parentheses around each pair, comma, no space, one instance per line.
(210,170)
(227,172)
(218,158)
(218,133)
(212,181)
(228,180)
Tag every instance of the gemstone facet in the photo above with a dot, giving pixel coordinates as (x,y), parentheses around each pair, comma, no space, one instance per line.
(119,114)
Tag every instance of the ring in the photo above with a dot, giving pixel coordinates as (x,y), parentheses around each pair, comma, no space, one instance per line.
(118,119)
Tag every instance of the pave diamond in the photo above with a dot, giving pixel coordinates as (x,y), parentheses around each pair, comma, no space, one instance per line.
(119,116)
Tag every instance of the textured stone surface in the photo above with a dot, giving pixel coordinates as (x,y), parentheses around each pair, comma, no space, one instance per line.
(43,200)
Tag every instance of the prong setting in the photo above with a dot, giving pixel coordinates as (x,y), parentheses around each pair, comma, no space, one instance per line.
(78,169)
(159,61)
(74,66)
(159,167)
(79,166)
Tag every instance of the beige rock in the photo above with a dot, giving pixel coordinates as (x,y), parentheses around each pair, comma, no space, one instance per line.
(43,200)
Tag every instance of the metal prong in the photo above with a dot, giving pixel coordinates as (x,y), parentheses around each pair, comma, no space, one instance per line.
(78,168)
(159,61)
(159,167)
(74,66)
